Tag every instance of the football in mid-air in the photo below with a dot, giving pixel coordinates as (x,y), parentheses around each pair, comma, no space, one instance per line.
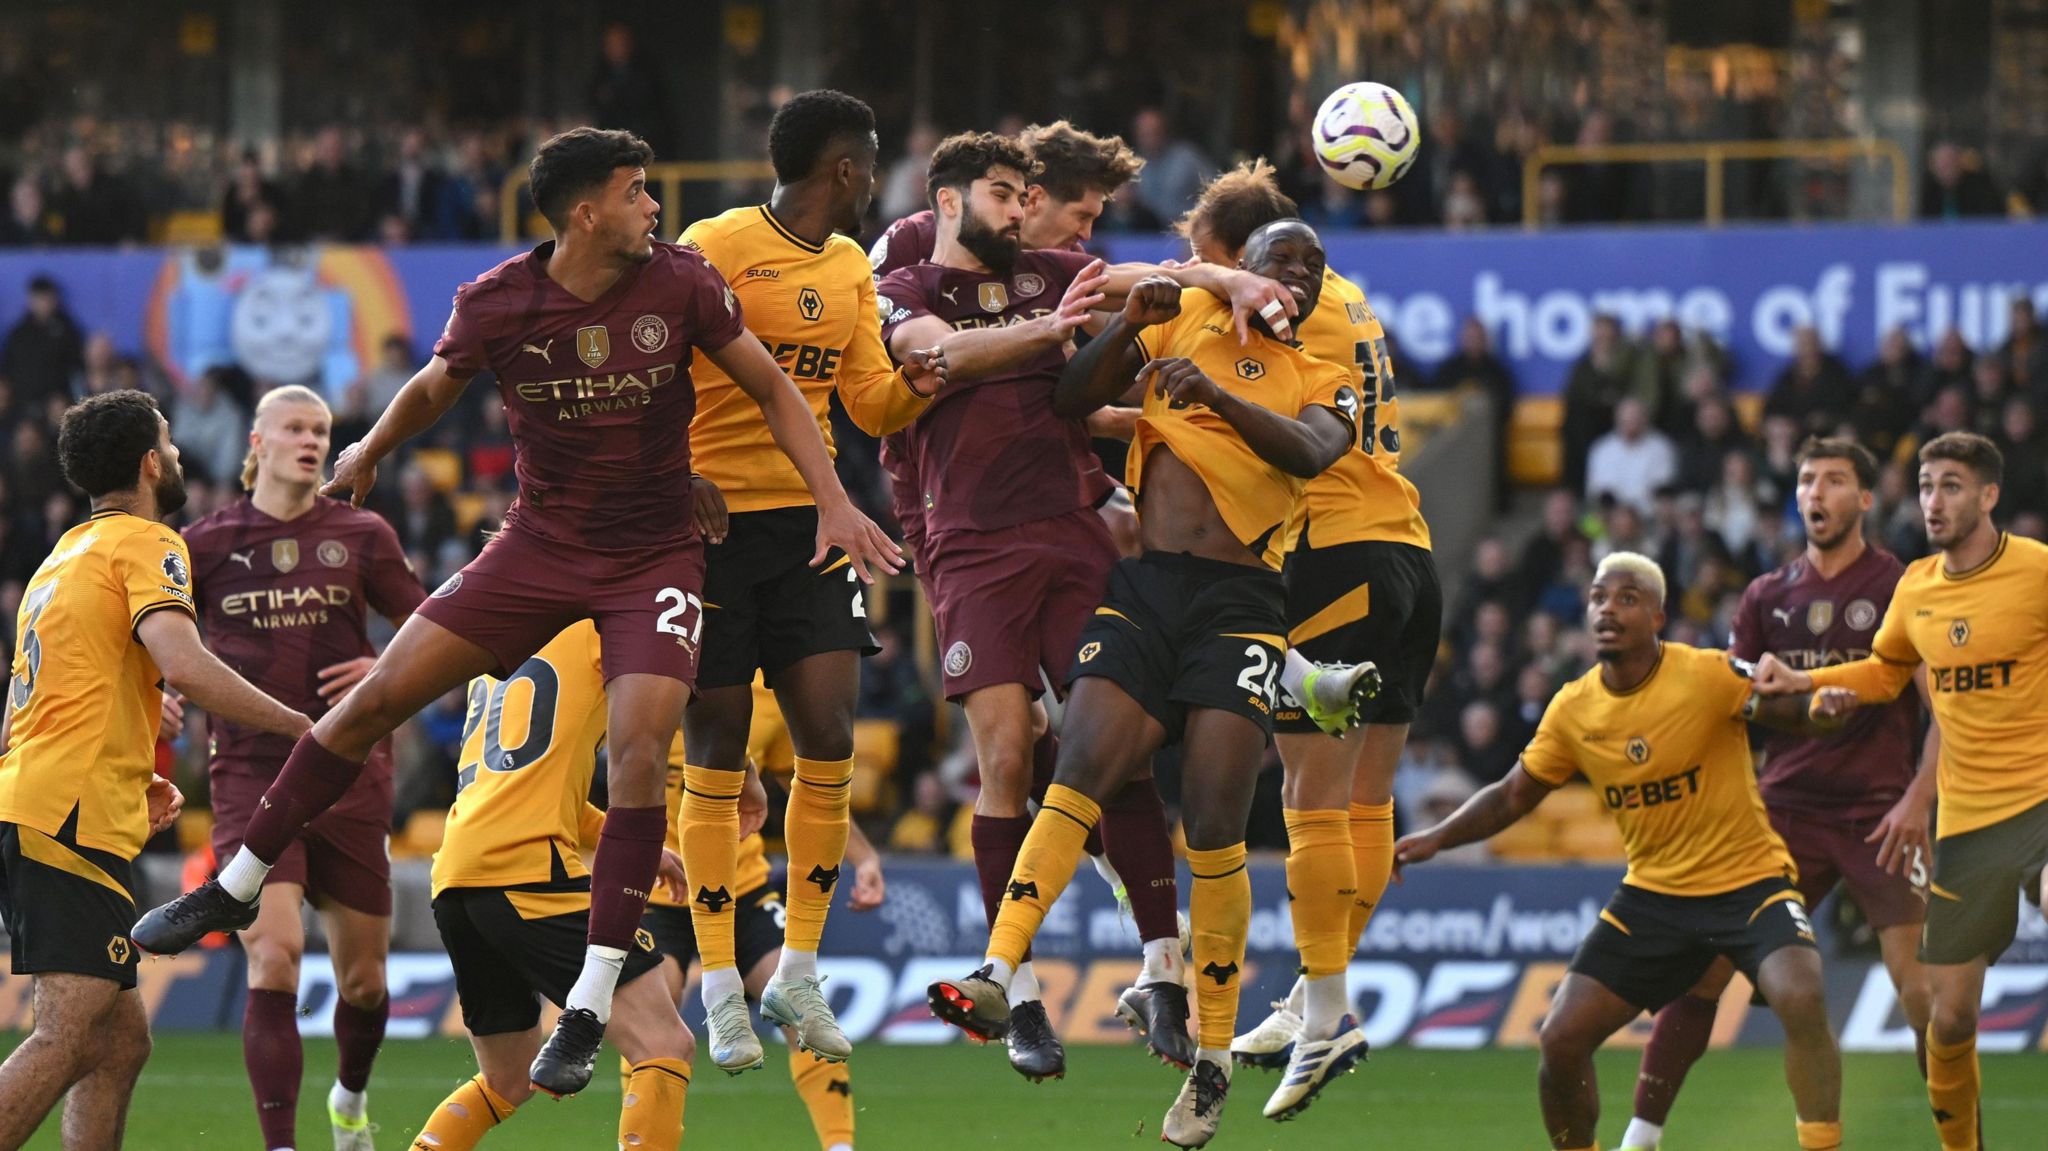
(1366,135)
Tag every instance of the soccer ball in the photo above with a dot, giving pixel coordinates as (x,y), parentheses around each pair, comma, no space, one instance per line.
(1366,135)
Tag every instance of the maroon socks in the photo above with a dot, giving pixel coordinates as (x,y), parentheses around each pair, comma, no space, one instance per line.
(276,1062)
(628,857)
(313,780)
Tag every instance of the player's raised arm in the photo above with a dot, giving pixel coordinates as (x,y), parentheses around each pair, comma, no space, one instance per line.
(1108,367)
(418,405)
(879,396)
(973,353)
(840,524)
(173,642)
(1819,713)
(1248,293)
(1485,815)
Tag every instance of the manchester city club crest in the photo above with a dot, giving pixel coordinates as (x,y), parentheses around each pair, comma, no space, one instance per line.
(284,555)
(333,553)
(992,297)
(594,344)
(650,333)
(1861,615)
(1820,614)
(1029,285)
(959,658)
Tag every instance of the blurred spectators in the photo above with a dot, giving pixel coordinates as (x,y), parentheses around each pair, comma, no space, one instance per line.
(1814,388)
(253,205)
(1955,186)
(212,431)
(1475,365)
(1597,384)
(626,91)
(44,349)
(95,207)
(1632,462)
(2025,351)
(332,198)
(1882,409)
(1174,171)
(902,190)
(25,224)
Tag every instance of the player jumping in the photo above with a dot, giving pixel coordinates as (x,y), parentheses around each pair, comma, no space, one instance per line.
(809,297)
(1188,642)
(512,901)
(286,581)
(1829,799)
(104,621)
(1975,617)
(1658,728)
(1361,590)
(1016,555)
(604,464)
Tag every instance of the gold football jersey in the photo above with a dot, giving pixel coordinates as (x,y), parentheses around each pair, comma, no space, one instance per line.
(814,308)
(1254,497)
(1670,758)
(1363,496)
(1983,635)
(84,693)
(529,750)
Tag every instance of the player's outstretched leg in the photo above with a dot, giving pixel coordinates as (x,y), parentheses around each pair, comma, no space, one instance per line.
(1140,852)
(645,711)
(1331,693)
(1108,735)
(423,662)
(817,695)
(1220,754)
(1953,1078)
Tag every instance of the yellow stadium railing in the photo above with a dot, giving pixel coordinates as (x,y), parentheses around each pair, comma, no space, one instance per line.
(667,178)
(1715,155)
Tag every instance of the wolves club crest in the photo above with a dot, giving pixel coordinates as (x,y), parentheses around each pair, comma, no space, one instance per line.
(823,876)
(1221,974)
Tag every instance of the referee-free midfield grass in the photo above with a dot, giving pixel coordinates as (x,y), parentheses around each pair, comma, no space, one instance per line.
(193,1096)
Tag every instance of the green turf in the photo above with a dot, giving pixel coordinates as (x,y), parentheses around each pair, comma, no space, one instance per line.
(193,1096)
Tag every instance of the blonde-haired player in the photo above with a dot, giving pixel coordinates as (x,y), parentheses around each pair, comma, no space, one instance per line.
(1660,731)
(285,581)
(1975,615)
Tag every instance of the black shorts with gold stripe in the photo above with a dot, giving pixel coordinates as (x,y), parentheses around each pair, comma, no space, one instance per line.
(759,918)
(511,946)
(1650,948)
(1973,910)
(1375,600)
(67,908)
(766,607)
(1180,632)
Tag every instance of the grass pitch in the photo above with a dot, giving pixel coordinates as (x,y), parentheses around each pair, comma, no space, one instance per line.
(194,1096)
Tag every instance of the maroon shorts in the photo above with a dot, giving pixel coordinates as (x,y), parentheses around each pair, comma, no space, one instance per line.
(522,590)
(344,854)
(1831,850)
(1011,603)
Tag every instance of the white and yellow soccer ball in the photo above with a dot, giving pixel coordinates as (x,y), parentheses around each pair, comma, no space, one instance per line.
(1366,135)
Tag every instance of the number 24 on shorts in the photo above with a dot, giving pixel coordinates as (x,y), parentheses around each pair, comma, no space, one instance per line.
(1263,664)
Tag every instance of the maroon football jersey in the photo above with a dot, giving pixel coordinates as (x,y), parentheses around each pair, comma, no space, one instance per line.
(597,395)
(991,453)
(281,599)
(1810,622)
(911,241)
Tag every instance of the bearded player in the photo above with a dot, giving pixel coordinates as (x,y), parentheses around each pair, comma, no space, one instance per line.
(1188,641)
(1830,800)
(104,623)
(1016,556)
(1660,731)
(604,464)
(285,584)
(1974,615)
(809,297)
(1362,593)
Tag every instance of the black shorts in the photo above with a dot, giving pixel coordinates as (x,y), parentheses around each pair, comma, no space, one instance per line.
(67,908)
(1650,948)
(1180,632)
(766,607)
(758,921)
(512,945)
(1979,877)
(1355,602)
